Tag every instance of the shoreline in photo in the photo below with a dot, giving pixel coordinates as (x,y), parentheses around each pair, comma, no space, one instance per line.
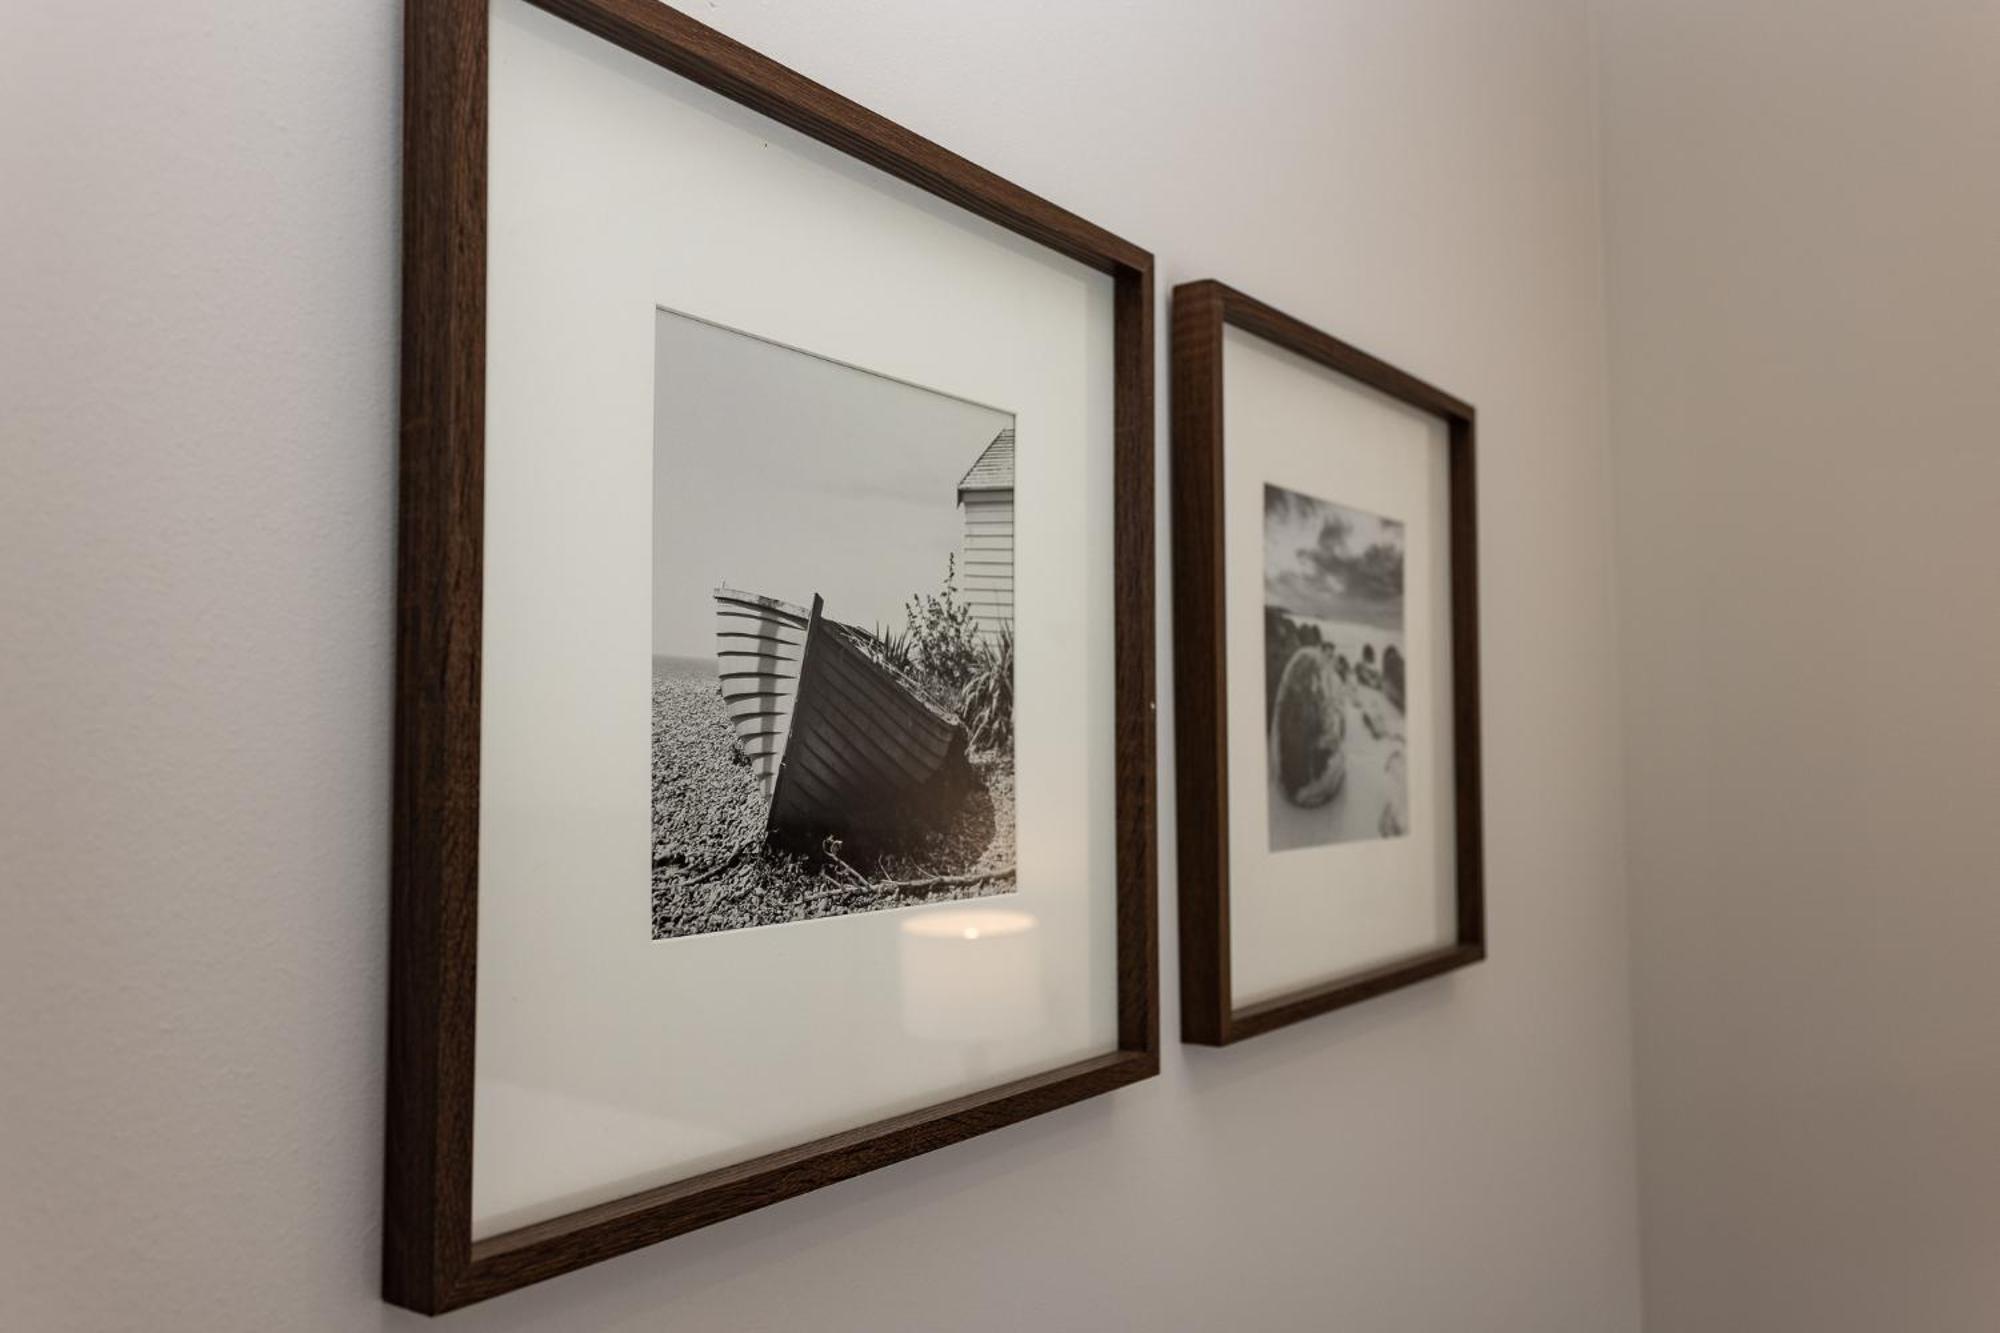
(1334,678)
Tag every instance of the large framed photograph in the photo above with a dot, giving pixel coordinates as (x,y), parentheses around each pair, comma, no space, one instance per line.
(1327,671)
(774,786)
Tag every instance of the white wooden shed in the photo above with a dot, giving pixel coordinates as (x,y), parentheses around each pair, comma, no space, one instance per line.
(986,554)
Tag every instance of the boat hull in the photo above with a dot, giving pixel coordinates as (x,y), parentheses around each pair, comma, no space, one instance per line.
(758,644)
(849,749)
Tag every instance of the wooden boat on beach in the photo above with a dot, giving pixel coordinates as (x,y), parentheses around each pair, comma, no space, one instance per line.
(845,745)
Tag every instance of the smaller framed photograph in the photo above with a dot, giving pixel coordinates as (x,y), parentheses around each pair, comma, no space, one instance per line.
(1326,637)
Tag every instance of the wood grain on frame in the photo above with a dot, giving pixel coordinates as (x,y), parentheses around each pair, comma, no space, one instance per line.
(430,1262)
(433,926)
(1209,1016)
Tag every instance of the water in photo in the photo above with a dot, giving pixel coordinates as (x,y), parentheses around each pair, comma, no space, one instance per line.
(1334,672)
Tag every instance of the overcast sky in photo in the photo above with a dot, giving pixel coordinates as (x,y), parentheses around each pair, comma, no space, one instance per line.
(1317,562)
(781,473)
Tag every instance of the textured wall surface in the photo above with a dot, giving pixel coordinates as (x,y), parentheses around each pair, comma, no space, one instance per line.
(1804,260)
(198,338)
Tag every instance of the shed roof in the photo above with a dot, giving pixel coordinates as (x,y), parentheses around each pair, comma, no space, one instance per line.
(993,470)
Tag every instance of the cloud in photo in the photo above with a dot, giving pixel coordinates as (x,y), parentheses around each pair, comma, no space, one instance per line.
(1323,561)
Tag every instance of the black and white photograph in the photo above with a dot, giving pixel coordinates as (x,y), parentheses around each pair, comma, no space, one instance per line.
(833,637)
(1334,672)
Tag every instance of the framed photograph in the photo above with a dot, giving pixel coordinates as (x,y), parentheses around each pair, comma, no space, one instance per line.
(775,735)
(1326,636)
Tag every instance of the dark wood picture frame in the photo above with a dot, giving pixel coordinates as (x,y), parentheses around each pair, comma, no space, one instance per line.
(430,1261)
(1208,1015)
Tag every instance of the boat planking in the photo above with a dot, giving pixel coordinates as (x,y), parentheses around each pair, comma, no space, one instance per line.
(844,745)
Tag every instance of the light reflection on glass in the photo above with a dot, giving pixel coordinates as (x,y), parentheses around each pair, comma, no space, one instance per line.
(971,975)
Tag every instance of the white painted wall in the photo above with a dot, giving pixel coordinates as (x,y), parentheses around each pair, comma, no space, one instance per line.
(198,338)
(1804,259)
